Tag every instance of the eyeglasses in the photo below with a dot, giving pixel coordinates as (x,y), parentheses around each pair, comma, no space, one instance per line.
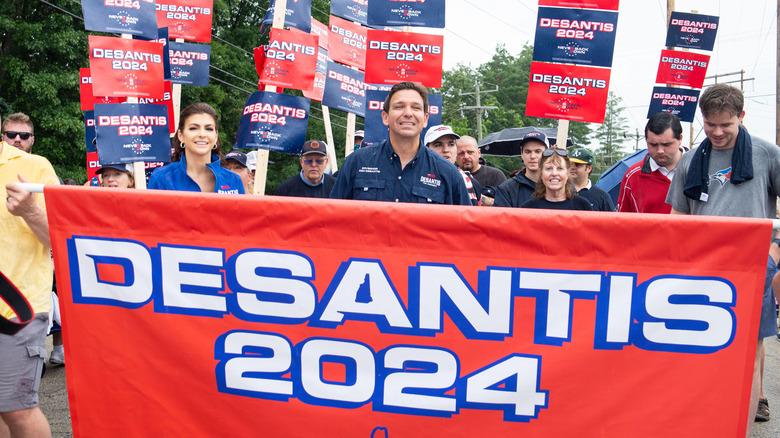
(548,152)
(12,135)
(309,162)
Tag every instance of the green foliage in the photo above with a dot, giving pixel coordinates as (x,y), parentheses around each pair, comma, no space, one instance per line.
(610,136)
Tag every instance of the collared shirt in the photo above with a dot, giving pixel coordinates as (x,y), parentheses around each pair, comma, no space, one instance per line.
(375,174)
(23,258)
(664,171)
(174,177)
(306,181)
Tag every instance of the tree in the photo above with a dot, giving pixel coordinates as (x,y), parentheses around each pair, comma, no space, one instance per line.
(610,136)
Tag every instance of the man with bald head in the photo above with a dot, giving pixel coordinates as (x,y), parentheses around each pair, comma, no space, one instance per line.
(468,160)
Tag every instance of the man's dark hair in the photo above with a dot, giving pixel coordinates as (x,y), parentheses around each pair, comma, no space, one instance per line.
(660,122)
(407,86)
(721,98)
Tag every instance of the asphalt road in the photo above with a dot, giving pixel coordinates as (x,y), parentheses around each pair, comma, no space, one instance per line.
(54,396)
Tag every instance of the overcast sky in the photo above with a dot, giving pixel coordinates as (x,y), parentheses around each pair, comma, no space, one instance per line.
(746,40)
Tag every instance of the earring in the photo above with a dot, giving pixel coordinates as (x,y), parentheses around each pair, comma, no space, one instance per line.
(215,147)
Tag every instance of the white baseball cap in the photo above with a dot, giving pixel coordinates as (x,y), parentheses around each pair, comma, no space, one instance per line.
(436,132)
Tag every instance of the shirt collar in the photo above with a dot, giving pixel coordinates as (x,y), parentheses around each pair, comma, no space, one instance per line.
(664,171)
(587,186)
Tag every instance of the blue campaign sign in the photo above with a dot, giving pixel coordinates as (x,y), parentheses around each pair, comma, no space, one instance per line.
(679,101)
(89,131)
(692,31)
(298,15)
(345,89)
(162,38)
(355,10)
(575,36)
(132,132)
(134,17)
(273,121)
(375,130)
(189,63)
(406,13)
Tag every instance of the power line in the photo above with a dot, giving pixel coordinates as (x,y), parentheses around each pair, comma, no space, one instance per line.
(499,19)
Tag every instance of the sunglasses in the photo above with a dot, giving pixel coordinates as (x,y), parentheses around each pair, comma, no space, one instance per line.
(309,162)
(12,135)
(548,152)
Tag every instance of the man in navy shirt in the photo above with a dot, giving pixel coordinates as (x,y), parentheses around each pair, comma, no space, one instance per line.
(581,167)
(312,182)
(399,169)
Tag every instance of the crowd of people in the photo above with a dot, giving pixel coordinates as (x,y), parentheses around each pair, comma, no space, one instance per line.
(730,174)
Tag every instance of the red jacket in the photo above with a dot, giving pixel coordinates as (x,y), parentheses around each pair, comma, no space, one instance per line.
(643,190)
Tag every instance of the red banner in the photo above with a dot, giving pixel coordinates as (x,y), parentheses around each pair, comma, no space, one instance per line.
(568,92)
(187,19)
(289,60)
(347,42)
(88,99)
(299,321)
(122,67)
(611,5)
(682,68)
(394,57)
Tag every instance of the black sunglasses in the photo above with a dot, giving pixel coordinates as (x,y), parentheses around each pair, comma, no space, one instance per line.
(548,152)
(12,135)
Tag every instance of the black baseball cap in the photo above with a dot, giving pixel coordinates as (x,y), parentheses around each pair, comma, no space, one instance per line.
(237,156)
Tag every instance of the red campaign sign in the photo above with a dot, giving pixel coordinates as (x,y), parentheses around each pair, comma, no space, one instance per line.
(187,19)
(93,164)
(88,99)
(347,42)
(289,60)
(405,329)
(682,68)
(319,30)
(394,57)
(568,92)
(167,100)
(123,67)
(611,5)
(318,90)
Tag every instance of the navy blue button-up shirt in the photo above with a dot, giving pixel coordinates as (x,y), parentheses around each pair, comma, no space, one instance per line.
(375,174)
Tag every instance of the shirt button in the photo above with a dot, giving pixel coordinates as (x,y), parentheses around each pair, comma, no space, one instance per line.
(399,176)
(397,200)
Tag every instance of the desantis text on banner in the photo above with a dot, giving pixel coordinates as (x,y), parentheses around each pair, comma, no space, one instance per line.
(306,318)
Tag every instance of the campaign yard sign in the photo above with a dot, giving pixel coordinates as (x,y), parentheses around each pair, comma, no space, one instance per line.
(273,121)
(576,36)
(86,95)
(375,130)
(132,17)
(297,15)
(429,13)
(611,5)
(345,89)
(190,63)
(186,19)
(353,10)
(389,323)
(687,69)
(679,101)
(93,164)
(126,67)
(692,31)
(132,132)
(167,100)
(347,42)
(568,92)
(89,131)
(394,57)
(289,60)
(320,74)
(162,38)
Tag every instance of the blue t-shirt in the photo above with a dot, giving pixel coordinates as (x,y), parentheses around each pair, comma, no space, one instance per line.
(174,177)
(375,174)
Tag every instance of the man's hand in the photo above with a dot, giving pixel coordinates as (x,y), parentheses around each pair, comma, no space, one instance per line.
(20,202)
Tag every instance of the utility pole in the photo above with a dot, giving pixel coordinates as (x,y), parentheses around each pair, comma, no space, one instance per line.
(777,80)
(478,107)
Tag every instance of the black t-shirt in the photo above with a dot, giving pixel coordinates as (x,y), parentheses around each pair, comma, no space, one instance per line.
(295,186)
(575,203)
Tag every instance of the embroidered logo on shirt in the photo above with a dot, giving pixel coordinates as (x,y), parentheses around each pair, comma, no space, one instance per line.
(369,170)
(722,176)
(430,180)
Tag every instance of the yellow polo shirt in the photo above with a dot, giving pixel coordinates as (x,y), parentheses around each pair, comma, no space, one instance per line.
(23,258)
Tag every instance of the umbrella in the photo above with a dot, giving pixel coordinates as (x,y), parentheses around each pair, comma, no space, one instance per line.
(507,141)
(610,180)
